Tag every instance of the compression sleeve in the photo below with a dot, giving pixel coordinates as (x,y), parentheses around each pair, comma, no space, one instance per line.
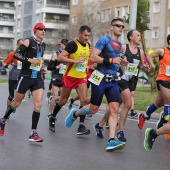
(51,66)
(18,53)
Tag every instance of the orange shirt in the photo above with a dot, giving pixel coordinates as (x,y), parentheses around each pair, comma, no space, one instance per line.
(10,59)
(164,67)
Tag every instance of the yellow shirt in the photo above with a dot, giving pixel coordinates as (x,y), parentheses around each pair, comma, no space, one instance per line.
(78,70)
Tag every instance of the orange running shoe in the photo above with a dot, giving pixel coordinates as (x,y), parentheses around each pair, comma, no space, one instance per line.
(141,120)
(167,136)
(2,127)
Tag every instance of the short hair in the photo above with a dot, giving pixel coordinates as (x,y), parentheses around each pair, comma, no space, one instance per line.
(18,41)
(83,28)
(116,19)
(168,39)
(130,34)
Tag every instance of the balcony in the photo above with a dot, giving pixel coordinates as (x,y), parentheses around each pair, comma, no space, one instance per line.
(56,24)
(7,22)
(6,34)
(58,6)
(6,45)
(7,11)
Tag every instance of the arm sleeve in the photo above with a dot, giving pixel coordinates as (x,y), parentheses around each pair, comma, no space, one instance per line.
(51,66)
(19,52)
(9,58)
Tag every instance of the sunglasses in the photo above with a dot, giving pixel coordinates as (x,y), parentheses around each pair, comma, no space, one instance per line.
(41,29)
(118,25)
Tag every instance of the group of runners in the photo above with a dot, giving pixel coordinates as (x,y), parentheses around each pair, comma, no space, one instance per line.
(112,70)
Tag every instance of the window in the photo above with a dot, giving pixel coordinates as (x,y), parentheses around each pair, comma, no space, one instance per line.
(155,32)
(168,30)
(156,7)
(105,15)
(75,2)
(122,11)
(74,20)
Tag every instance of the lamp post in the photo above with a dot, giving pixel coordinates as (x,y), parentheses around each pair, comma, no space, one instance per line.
(133,14)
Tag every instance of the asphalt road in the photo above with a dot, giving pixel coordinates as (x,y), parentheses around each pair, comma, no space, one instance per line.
(64,150)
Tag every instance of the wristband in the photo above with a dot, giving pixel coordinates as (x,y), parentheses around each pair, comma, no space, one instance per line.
(108,61)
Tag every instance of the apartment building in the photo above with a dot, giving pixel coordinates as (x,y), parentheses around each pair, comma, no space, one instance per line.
(53,13)
(7,23)
(98,14)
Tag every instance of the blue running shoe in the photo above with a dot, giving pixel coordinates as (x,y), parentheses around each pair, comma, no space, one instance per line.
(70,118)
(114,145)
(14,111)
(99,130)
(120,136)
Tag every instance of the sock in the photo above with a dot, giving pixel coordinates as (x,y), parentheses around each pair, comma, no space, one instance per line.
(82,117)
(151,109)
(132,110)
(153,133)
(111,139)
(56,109)
(9,110)
(35,119)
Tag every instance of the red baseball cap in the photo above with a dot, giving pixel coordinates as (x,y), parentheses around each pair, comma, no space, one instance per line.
(38,25)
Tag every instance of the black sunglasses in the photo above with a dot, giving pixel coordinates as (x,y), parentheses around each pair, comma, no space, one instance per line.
(118,25)
(41,29)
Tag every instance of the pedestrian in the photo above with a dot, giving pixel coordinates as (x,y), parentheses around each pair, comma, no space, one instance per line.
(30,53)
(76,55)
(15,67)
(106,54)
(57,68)
(163,84)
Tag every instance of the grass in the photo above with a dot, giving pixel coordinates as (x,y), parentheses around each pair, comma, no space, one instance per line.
(3,80)
(143,98)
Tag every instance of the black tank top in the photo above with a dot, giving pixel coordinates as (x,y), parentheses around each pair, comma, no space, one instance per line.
(31,52)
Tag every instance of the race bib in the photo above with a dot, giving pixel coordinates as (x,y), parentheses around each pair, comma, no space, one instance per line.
(19,65)
(96,77)
(132,69)
(81,67)
(62,70)
(167,71)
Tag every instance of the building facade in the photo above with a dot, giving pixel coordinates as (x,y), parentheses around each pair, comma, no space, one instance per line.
(7,23)
(53,13)
(98,14)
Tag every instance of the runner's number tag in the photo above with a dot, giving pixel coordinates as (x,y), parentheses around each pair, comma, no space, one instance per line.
(81,66)
(167,70)
(132,69)
(96,77)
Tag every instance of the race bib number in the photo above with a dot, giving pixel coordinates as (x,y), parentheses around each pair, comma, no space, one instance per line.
(96,77)
(19,65)
(81,67)
(62,70)
(36,67)
(132,69)
(167,71)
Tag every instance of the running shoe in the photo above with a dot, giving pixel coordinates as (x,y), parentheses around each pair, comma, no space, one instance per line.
(88,116)
(52,124)
(163,118)
(121,137)
(148,141)
(141,120)
(49,115)
(35,138)
(133,114)
(70,103)
(99,130)
(70,118)
(167,136)
(2,127)
(82,130)
(23,100)
(114,145)
(107,125)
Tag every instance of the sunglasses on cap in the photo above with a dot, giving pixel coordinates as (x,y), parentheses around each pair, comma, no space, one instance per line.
(119,25)
(41,29)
